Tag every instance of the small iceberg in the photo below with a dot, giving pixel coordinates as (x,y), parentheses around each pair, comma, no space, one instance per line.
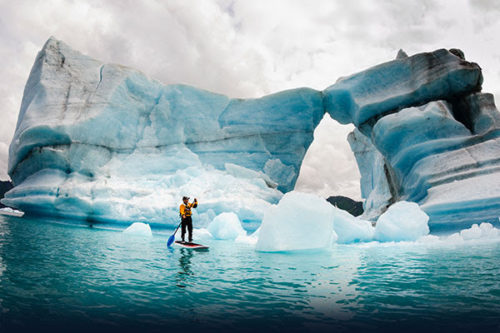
(403,221)
(139,229)
(226,226)
(11,212)
(300,221)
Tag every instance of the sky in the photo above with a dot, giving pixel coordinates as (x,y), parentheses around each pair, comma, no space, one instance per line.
(249,49)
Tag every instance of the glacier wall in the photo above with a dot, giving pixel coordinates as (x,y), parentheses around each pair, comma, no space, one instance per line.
(105,143)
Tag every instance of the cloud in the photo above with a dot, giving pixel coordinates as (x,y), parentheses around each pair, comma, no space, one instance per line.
(249,49)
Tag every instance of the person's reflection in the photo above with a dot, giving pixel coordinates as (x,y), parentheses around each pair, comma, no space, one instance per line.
(185,265)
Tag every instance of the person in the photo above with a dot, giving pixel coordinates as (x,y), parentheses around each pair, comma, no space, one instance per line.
(186,220)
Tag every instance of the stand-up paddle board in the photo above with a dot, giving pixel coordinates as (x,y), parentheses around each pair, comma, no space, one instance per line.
(193,246)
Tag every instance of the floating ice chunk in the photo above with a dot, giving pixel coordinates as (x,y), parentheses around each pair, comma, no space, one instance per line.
(428,239)
(482,231)
(351,229)
(476,233)
(226,226)
(251,239)
(202,234)
(300,221)
(11,212)
(139,228)
(403,221)
(473,232)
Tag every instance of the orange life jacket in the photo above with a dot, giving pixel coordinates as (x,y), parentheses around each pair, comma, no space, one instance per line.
(185,210)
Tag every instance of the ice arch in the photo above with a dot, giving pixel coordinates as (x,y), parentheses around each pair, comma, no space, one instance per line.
(85,130)
(424,133)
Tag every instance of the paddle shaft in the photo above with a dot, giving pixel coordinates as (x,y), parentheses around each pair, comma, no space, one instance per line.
(177,228)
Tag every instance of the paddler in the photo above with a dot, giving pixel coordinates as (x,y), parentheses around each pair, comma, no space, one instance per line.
(186,220)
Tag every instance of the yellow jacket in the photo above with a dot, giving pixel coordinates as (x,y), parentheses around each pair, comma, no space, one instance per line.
(185,210)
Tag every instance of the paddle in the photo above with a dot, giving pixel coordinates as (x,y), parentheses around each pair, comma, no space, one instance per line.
(172,238)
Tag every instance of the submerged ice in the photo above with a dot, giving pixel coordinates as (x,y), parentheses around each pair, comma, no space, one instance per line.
(103,142)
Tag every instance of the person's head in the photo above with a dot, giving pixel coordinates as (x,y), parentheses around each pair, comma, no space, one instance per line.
(185,199)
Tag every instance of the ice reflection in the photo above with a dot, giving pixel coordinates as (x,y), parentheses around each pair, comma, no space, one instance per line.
(185,267)
(4,233)
(334,287)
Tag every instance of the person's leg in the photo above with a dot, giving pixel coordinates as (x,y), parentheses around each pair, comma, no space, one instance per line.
(183,229)
(190,229)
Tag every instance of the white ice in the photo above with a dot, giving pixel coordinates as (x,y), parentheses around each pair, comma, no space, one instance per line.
(350,229)
(139,229)
(226,226)
(484,231)
(300,221)
(403,221)
(11,212)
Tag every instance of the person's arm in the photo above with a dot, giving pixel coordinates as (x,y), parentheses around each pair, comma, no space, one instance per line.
(195,203)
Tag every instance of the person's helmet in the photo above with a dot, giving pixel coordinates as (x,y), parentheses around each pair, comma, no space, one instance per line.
(185,198)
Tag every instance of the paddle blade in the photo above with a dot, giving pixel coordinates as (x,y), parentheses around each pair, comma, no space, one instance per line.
(170,240)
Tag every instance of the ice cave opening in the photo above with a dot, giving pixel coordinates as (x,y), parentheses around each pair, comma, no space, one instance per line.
(329,167)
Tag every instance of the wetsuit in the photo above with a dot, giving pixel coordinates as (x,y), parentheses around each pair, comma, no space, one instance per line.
(187,221)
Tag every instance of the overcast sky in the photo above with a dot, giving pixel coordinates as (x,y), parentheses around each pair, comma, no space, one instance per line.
(249,49)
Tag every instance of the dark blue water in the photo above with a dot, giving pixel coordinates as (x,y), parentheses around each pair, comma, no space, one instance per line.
(67,276)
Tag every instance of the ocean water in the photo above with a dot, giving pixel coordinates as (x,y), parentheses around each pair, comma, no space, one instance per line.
(71,276)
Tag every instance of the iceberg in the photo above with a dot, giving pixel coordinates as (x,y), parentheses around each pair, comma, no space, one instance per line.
(365,97)
(403,221)
(426,134)
(226,226)
(11,212)
(103,142)
(438,162)
(300,221)
(484,231)
(139,229)
(199,234)
(350,229)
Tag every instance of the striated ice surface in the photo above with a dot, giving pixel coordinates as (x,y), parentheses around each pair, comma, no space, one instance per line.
(440,163)
(432,139)
(407,81)
(104,142)
(375,186)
